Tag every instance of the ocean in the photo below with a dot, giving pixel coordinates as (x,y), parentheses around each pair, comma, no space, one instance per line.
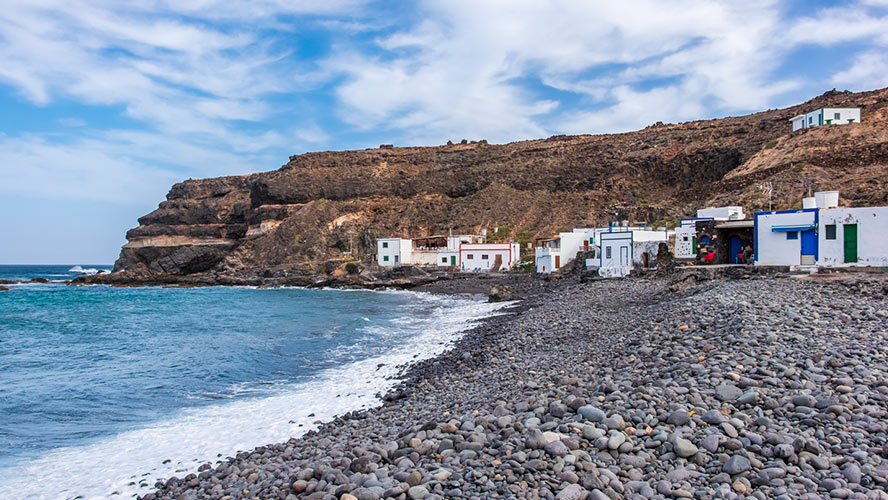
(104,390)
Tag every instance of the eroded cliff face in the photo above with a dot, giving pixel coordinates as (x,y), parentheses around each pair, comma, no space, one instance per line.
(332,205)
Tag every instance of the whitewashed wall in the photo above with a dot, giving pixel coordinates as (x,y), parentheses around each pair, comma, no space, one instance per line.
(424,257)
(846,115)
(684,242)
(444,258)
(510,253)
(811,118)
(773,249)
(571,243)
(614,266)
(545,260)
(872,236)
(388,247)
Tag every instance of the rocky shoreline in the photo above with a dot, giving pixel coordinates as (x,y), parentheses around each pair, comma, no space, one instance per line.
(403,277)
(764,387)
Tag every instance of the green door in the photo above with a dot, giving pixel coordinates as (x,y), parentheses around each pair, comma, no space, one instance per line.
(850,242)
(453,260)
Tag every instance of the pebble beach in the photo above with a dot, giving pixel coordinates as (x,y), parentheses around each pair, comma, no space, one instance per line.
(770,387)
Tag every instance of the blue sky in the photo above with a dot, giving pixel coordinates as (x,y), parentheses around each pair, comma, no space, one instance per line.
(104,105)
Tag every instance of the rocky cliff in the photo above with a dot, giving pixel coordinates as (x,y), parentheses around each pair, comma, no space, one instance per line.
(332,205)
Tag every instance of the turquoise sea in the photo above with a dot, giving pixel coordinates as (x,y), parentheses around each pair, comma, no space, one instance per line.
(104,390)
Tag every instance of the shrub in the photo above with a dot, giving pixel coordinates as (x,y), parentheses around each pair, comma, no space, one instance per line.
(771,144)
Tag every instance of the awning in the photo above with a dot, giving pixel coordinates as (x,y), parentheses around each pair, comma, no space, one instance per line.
(796,227)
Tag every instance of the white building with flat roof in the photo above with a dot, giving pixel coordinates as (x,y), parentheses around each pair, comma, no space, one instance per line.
(392,252)
(615,259)
(466,252)
(553,253)
(786,238)
(620,249)
(476,257)
(825,116)
(850,237)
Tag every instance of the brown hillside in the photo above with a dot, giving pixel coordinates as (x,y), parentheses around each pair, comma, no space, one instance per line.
(321,205)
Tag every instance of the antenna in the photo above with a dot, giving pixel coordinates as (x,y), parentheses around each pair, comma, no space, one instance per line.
(768,189)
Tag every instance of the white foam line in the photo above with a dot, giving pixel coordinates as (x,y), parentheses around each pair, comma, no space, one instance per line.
(107,468)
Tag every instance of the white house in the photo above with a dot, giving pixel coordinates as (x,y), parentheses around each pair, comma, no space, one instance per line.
(552,254)
(548,255)
(441,251)
(853,237)
(825,116)
(621,249)
(488,256)
(616,254)
(786,238)
(823,234)
(391,252)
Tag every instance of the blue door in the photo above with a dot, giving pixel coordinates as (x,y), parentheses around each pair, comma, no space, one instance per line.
(736,249)
(809,247)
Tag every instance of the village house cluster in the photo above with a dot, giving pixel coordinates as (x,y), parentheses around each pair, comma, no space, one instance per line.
(464,252)
(820,234)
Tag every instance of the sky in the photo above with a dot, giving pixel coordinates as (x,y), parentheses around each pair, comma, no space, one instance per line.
(105,104)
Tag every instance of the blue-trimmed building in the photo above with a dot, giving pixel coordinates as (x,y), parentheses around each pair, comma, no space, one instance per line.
(786,238)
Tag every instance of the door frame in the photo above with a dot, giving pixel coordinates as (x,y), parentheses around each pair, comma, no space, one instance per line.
(853,233)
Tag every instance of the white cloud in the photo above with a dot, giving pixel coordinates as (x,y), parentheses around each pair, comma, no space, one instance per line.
(179,75)
(86,169)
(126,166)
(869,70)
(839,25)
(458,73)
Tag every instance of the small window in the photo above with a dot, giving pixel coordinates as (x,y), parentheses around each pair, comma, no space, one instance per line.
(810,120)
(838,116)
(470,256)
(607,252)
(684,238)
(830,231)
(385,244)
(792,235)
(443,260)
(484,256)
(385,258)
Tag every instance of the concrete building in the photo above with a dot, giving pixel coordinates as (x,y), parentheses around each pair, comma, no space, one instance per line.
(823,234)
(786,238)
(825,116)
(553,253)
(849,237)
(440,251)
(622,249)
(616,254)
(475,257)
(391,252)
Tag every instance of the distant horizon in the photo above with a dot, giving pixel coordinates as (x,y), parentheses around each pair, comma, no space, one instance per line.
(106,107)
